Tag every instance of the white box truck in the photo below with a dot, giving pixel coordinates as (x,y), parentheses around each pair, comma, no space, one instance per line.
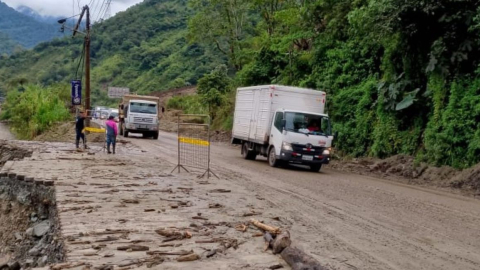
(140,114)
(285,124)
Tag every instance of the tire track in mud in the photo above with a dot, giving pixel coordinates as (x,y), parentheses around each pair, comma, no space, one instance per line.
(389,237)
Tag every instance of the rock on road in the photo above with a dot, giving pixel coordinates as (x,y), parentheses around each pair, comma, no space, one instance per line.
(350,221)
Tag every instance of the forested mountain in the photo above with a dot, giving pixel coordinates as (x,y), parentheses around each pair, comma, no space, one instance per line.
(23,30)
(7,45)
(144,48)
(401,76)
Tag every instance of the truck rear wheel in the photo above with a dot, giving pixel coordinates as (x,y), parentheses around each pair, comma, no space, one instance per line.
(248,154)
(272,158)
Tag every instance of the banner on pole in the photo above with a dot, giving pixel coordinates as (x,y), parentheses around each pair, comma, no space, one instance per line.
(76,92)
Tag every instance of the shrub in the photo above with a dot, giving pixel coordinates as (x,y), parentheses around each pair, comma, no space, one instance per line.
(36,109)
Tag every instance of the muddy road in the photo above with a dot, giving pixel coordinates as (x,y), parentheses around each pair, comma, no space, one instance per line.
(350,221)
(5,134)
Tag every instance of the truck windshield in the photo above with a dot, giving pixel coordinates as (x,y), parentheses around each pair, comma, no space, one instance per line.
(307,123)
(136,107)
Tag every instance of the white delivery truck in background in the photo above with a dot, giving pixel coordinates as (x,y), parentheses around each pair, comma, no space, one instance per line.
(140,114)
(285,124)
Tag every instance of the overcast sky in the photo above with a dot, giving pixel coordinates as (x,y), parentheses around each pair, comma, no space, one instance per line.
(69,7)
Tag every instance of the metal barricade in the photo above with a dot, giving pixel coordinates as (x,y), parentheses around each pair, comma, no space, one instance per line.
(193,135)
(90,130)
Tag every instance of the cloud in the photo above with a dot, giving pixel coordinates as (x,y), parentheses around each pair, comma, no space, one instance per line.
(69,7)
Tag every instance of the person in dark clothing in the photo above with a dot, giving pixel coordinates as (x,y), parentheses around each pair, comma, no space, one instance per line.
(112,132)
(79,129)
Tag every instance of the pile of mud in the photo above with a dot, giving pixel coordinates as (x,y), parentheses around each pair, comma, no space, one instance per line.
(166,95)
(169,123)
(11,152)
(405,169)
(29,226)
(468,179)
(66,133)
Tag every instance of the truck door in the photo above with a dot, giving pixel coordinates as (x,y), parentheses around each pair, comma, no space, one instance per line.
(276,136)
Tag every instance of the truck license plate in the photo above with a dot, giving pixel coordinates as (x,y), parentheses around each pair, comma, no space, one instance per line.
(143,126)
(307,157)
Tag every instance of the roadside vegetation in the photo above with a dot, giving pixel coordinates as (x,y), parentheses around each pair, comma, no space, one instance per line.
(402,77)
(32,109)
(214,97)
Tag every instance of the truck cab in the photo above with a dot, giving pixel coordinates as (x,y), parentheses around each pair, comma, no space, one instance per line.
(300,138)
(140,116)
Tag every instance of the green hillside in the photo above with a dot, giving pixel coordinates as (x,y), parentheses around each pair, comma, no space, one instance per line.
(401,76)
(22,29)
(144,48)
(7,45)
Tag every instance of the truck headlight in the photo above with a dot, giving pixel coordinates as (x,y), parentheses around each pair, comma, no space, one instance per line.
(287,146)
(326,152)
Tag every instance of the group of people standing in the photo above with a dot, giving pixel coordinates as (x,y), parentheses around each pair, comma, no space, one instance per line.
(111,132)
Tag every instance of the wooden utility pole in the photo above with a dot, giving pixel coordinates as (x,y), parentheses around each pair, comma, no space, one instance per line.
(87,66)
(86,11)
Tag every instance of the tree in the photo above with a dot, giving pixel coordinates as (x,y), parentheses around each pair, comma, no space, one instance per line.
(224,23)
(213,87)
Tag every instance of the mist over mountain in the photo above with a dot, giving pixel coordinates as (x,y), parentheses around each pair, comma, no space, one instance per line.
(25,31)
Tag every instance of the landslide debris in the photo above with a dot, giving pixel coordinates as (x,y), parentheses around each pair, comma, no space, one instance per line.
(404,169)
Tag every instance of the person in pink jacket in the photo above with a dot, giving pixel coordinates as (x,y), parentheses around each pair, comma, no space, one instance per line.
(112,131)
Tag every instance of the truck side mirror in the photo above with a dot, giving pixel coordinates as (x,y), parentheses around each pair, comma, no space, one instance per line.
(284,123)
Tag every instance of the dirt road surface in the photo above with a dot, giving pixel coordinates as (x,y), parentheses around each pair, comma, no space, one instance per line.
(5,134)
(345,221)
(350,221)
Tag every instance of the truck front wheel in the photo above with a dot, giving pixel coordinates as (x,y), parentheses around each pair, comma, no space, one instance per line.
(155,135)
(315,167)
(248,154)
(272,158)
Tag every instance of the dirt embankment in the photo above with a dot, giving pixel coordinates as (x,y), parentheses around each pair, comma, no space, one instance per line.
(166,95)
(28,218)
(169,123)
(404,169)
(66,133)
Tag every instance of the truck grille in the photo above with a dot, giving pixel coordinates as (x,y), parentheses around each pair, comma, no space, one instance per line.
(302,149)
(142,120)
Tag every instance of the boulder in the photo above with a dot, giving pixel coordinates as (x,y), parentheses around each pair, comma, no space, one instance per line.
(41,228)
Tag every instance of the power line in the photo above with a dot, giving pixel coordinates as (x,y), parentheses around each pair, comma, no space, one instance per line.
(100,11)
(96,7)
(108,10)
(80,62)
